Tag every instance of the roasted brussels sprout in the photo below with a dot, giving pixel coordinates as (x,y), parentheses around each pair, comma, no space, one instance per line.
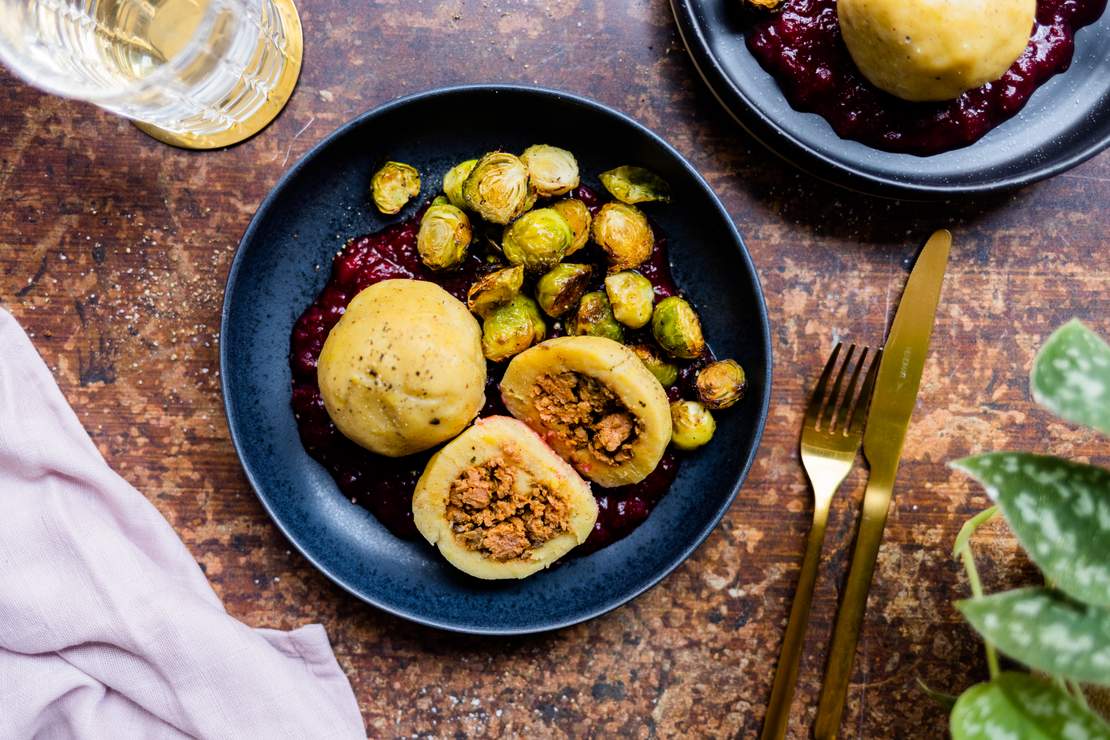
(691,425)
(721,384)
(538,240)
(677,328)
(394,185)
(625,235)
(635,185)
(664,372)
(440,200)
(513,328)
(497,188)
(443,237)
(454,179)
(554,171)
(578,218)
(632,297)
(494,290)
(595,318)
(560,289)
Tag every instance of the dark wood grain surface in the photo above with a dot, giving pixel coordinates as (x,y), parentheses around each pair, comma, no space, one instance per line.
(113,254)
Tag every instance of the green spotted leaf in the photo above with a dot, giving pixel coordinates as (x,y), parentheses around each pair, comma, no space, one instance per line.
(1071,376)
(1045,631)
(1017,706)
(1060,512)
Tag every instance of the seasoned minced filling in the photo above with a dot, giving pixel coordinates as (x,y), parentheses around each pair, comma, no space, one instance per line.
(490,513)
(586,415)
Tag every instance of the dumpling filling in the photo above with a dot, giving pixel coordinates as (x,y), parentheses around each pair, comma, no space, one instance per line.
(586,415)
(497,511)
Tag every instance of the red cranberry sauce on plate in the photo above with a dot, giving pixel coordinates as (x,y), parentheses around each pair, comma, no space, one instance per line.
(802,48)
(385,485)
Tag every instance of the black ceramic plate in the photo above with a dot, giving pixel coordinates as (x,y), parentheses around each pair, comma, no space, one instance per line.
(284,260)
(1066,122)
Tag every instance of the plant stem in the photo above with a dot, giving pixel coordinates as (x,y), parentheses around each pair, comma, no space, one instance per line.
(977,591)
(1077,691)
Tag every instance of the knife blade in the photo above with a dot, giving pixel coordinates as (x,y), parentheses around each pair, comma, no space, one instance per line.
(892,405)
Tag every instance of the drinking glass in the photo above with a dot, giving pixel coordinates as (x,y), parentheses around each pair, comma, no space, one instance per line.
(194,73)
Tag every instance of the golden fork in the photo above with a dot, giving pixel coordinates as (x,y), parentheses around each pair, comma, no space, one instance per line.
(831,437)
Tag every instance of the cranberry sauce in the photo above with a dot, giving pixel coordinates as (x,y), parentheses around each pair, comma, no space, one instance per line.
(385,485)
(802,47)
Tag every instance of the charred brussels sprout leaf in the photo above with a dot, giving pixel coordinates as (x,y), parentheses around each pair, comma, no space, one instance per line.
(691,425)
(553,171)
(494,290)
(677,328)
(721,384)
(443,237)
(562,288)
(454,179)
(625,235)
(538,240)
(579,219)
(497,188)
(513,328)
(664,372)
(636,185)
(394,185)
(632,297)
(595,318)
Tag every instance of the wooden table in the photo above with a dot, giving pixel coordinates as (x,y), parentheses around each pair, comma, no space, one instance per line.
(113,254)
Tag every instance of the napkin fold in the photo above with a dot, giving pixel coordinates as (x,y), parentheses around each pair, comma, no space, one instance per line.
(108,627)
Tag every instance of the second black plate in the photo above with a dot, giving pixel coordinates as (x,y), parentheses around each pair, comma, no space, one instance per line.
(1066,122)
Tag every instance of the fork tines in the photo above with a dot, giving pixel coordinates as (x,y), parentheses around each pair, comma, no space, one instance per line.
(835,413)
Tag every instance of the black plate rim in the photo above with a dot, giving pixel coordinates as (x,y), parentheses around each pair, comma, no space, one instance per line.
(807,159)
(606,605)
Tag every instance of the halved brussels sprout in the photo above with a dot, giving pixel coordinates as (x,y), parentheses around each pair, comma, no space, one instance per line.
(538,240)
(554,171)
(664,372)
(443,237)
(494,290)
(560,289)
(636,185)
(394,185)
(632,297)
(579,218)
(513,328)
(497,188)
(677,328)
(595,318)
(454,179)
(499,503)
(595,403)
(721,384)
(625,235)
(691,425)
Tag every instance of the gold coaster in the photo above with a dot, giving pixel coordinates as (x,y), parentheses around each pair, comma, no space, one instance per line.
(279,96)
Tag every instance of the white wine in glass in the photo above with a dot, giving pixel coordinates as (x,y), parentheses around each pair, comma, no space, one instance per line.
(194,73)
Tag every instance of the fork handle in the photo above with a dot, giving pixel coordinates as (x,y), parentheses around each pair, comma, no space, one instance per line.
(849,619)
(786,674)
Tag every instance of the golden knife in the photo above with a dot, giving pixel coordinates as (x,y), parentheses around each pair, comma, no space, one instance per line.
(895,394)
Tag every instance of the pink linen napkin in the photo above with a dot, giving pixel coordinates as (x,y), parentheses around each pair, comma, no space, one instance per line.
(108,628)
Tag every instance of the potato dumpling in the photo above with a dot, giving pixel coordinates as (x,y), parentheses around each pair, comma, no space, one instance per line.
(499,503)
(934,49)
(595,403)
(403,369)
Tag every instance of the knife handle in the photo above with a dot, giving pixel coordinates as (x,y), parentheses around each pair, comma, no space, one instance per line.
(849,619)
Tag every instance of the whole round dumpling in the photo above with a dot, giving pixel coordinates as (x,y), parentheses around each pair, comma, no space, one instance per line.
(935,49)
(499,503)
(403,369)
